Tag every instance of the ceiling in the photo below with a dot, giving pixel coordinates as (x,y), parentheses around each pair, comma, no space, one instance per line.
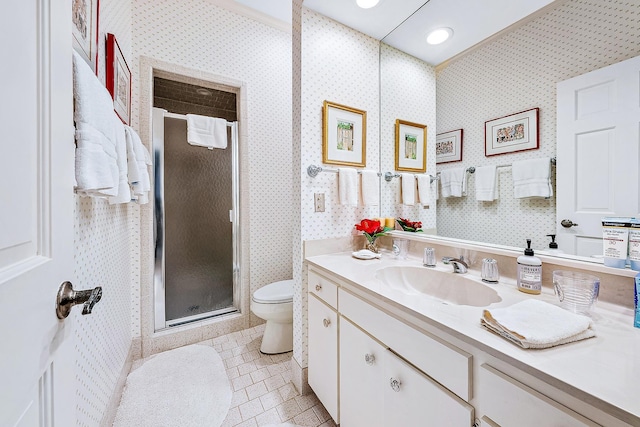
(404,24)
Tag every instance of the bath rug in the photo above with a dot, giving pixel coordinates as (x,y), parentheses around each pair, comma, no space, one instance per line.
(184,387)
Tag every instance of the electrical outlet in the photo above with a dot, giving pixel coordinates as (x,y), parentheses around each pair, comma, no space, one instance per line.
(318,202)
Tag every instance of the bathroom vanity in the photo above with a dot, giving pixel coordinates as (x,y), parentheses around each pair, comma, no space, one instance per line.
(381,355)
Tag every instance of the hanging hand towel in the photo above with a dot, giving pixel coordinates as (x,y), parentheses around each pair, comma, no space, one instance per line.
(486,183)
(137,160)
(453,182)
(424,189)
(532,178)
(537,324)
(206,131)
(96,165)
(348,186)
(369,186)
(408,189)
(124,191)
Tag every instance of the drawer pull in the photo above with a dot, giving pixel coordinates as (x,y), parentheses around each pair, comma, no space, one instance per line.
(395,384)
(318,288)
(326,322)
(369,358)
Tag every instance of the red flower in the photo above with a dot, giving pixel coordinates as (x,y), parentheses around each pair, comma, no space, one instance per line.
(409,225)
(372,229)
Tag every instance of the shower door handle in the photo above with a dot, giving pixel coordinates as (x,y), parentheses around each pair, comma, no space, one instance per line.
(231,215)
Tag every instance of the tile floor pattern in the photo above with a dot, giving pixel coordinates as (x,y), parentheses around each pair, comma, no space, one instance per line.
(262,390)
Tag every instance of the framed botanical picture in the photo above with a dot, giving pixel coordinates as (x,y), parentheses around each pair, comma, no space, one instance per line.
(118,80)
(344,132)
(449,146)
(516,132)
(84,17)
(411,146)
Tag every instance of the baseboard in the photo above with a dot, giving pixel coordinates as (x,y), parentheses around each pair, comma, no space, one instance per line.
(299,377)
(135,353)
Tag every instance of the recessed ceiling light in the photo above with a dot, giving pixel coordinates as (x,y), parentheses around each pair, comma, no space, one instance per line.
(202,91)
(439,35)
(367,4)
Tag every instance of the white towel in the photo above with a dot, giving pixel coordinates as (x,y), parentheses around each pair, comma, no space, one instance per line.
(536,324)
(137,160)
(348,186)
(206,131)
(124,191)
(453,182)
(532,178)
(424,189)
(369,187)
(408,189)
(486,183)
(96,166)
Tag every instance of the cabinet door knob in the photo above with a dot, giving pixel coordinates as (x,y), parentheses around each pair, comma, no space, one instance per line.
(395,384)
(326,322)
(369,358)
(318,288)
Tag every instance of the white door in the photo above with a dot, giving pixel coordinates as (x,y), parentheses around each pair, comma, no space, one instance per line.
(598,151)
(36,212)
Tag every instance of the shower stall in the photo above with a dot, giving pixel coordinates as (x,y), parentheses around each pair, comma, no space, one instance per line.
(196,206)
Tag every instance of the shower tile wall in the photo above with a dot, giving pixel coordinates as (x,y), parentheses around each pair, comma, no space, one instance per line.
(182,98)
(576,37)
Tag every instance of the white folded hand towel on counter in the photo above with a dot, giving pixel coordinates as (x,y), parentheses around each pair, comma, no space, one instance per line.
(369,184)
(453,182)
(532,178)
(536,324)
(348,186)
(408,189)
(425,194)
(486,183)
(210,132)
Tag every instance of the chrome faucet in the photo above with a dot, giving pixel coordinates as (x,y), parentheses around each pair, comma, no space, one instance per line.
(459,264)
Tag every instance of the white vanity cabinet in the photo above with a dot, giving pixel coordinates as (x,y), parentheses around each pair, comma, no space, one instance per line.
(323,343)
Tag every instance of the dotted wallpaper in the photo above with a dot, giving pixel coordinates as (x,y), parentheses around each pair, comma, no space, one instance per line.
(517,72)
(198,35)
(106,254)
(340,65)
(407,92)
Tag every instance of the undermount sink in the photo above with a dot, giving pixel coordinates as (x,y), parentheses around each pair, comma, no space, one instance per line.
(447,287)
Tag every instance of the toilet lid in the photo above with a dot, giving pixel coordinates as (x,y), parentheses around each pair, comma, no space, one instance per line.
(275,293)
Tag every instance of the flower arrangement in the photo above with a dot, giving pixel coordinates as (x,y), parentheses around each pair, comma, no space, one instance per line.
(372,229)
(414,226)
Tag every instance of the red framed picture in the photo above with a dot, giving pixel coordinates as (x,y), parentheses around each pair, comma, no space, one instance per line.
(118,80)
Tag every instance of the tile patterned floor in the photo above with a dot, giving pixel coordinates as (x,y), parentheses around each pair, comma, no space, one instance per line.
(262,390)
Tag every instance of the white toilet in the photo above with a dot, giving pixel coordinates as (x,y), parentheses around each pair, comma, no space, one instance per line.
(274,303)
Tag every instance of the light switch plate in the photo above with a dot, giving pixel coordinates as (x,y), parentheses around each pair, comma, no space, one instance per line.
(318,202)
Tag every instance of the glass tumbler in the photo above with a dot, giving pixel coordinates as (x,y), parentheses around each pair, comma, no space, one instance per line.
(577,292)
(490,272)
(400,248)
(429,257)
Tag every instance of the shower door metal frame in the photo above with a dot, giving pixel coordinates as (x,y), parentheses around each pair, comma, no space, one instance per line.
(160,321)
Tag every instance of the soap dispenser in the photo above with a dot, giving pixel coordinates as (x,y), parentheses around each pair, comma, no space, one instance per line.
(553,246)
(529,272)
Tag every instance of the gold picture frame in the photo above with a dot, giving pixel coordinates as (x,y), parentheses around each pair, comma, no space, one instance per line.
(411,146)
(344,135)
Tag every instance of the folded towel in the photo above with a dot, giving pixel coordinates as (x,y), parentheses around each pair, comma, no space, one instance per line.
(137,160)
(206,131)
(348,186)
(408,189)
(124,191)
(536,324)
(453,182)
(424,189)
(369,187)
(532,178)
(92,102)
(96,166)
(486,183)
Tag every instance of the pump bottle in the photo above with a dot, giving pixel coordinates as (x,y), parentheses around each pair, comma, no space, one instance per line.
(529,272)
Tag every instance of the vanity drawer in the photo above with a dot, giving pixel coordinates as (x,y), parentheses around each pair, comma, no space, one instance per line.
(324,289)
(508,402)
(443,362)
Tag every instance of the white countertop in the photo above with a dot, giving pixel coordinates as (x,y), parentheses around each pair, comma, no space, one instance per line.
(603,371)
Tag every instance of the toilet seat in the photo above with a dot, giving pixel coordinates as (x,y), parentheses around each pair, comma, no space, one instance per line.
(275,293)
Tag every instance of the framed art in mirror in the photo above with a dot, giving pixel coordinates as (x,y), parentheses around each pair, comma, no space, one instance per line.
(508,134)
(344,135)
(449,146)
(411,146)
(118,80)
(84,17)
